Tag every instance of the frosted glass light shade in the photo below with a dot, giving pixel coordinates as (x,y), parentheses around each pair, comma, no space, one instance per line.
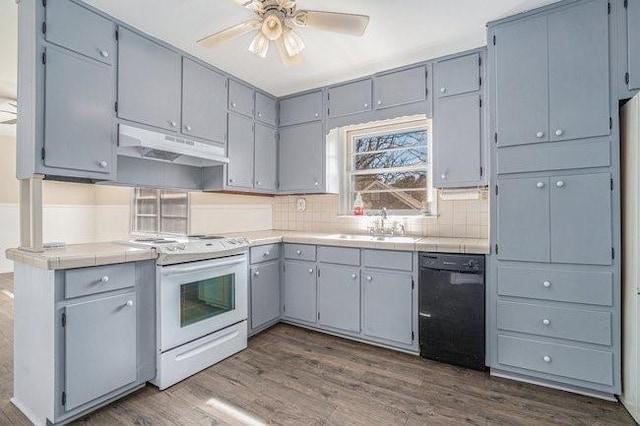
(259,45)
(272,27)
(292,42)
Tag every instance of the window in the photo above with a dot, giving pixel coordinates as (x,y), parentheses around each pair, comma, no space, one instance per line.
(160,211)
(390,166)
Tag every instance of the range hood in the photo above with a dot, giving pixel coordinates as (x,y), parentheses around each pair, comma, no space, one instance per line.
(141,143)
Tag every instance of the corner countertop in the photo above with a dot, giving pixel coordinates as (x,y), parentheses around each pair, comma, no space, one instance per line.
(96,254)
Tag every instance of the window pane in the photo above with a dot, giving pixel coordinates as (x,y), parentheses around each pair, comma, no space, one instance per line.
(397,140)
(387,159)
(146,224)
(402,200)
(390,181)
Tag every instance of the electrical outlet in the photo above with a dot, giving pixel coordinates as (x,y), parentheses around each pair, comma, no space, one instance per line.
(301,204)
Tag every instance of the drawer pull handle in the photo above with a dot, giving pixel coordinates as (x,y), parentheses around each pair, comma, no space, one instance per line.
(299,252)
(104,279)
(546,358)
(546,321)
(265,254)
(129,303)
(546,284)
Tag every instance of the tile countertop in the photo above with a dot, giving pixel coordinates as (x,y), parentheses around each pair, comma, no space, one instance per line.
(85,255)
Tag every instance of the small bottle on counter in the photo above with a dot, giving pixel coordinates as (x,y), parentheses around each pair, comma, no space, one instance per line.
(358,205)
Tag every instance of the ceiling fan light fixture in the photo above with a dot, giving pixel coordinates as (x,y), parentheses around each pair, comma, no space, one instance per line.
(292,42)
(259,45)
(272,27)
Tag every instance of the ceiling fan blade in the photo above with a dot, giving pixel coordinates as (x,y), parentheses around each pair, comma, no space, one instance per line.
(230,33)
(287,60)
(9,112)
(344,23)
(249,4)
(12,121)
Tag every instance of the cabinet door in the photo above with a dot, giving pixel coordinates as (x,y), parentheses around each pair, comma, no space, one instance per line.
(457,141)
(581,219)
(100,347)
(300,157)
(204,94)
(76,28)
(523,219)
(388,306)
(265,294)
(579,105)
(148,82)
(266,111)
(350,98)
(633,37)
(339,298)
(79,124)
(300,291)
(401,87)
(457,75)
(241,98)
(522,98)
(240,150)
(301,109)
(266,157)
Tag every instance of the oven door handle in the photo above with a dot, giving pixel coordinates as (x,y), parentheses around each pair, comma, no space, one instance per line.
(174,270)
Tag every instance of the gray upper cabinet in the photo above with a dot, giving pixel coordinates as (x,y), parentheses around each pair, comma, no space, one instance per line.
(350,98)
(241,98)
(633,37)
(265,294)
(579,71)
(78,29)
(301,109)
(79,126)
(300,291)
(400,87)
(266,149)
(339,298)
(204,94)
(581,218)
(457,75)
(457,141)
(240,149)
(300,158)
(521,70)
(523,219)
(266,110)
(388,306)
(149,82)
(100,347)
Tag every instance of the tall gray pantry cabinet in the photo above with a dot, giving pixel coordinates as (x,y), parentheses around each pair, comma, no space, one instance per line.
(553,294)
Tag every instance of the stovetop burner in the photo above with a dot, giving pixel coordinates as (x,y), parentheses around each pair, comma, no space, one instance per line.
(154,240)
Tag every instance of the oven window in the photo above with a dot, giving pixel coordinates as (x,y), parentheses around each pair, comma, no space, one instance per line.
(205,299)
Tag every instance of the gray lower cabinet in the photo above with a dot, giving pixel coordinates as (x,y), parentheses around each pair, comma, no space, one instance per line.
(339,297)
(100,347)
(300,291)
(301,108)
(400,87)
(350,98)
(149,82)
(387,301)
(204,111)
(79,126)
(300,162)
(265,293)
(240,149)
(633,40)
(266,158)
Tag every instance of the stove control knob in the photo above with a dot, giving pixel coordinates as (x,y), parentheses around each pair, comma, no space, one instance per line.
(182,247)
(171,248)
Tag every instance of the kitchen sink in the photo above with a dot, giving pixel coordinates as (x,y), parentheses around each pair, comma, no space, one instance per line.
(386,238)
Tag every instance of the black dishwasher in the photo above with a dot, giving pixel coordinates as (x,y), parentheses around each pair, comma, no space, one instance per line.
(452,307)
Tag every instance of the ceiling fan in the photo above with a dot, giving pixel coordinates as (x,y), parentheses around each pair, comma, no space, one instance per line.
(9,106)
(275,21)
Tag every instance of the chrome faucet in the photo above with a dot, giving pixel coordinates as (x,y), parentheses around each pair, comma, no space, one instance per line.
(383,219)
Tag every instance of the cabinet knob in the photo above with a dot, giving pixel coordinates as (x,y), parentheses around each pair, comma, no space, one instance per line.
(379,102)
(104,164)
(560,184)
(546,284)
(539,135)
(233,104)
(266,254)
(187,128)
(256,273)
(104,53)
(443,89)
(559,132)
(546,321)
(354,276)
(311,270)
(540,185)
(317,115)
(369,278)
(316,183)
(443,176)
(230,180)
(366,105)
(258,183)
(260,115)
(105,279)
(172,123)
(546,358)
(129,302)
(299,252)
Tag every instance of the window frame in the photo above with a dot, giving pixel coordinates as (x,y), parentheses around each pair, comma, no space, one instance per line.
(133,215)
(405,125)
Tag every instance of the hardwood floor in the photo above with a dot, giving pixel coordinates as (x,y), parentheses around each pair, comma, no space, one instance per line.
(292,376)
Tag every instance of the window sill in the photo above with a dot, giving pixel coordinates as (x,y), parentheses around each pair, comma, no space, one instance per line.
(391,216)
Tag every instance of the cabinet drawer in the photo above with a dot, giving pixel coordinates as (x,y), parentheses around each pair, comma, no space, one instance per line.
(339,255)
(385,259)
(265,253)
(563,285)
(572,324)
(350,98)
(458,75)
(301,109)
(78,29)
(300,252)
(241,98)
(561,360)
(84,281)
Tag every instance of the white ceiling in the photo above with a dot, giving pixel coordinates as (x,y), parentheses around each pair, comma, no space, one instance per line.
(400,32)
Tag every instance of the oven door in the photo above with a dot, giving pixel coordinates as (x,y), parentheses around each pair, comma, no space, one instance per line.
(199,298)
